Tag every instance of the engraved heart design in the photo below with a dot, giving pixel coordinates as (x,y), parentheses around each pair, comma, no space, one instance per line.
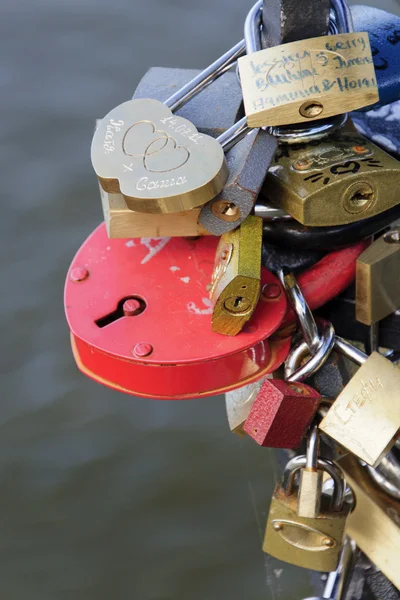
(167,158)
(158,161)
(140,136)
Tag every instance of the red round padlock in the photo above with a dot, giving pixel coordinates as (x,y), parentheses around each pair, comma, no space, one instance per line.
(140,319)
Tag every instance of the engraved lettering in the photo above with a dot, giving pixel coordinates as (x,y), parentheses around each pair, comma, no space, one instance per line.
(367,394)
(109,142)
(145,184)
(182,129)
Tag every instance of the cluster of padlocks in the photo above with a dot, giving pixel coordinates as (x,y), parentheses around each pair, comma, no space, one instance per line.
(249,234)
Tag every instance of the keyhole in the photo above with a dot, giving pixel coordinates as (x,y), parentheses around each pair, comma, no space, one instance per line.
(361,198)
(237,302)
(358,197)
(131,306)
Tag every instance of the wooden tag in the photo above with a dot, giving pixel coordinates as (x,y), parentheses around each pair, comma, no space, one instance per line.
(308,80)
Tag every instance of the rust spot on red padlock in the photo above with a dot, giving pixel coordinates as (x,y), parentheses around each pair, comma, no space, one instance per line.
(141,323)
(282,413)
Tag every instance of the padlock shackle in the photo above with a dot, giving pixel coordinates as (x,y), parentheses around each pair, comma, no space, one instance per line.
(252,28)
(333,470)
(303,312)
(341,17)
(207,76)
(350,351)
(293,371)
(312,449)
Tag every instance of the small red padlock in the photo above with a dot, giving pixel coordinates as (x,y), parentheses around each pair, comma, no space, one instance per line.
(282,413)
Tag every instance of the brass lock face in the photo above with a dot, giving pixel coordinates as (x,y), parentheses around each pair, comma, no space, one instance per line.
(365,418)
(310,79)
(159,162)
(378,279)
(374,523)
(311,543)
(236,280)
(338,180)
(121,222)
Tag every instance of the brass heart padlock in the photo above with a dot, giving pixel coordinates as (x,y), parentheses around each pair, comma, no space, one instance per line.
(159,162)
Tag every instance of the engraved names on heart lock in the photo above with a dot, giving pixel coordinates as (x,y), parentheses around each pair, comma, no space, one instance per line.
(156,160)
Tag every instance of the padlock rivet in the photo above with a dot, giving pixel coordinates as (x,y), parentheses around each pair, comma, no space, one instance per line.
(225,210)
(142,349)
(78,274)
(131,307)
(271,291)
(311,109)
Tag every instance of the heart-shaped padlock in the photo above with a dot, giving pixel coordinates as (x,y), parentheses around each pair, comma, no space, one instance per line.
(156,160)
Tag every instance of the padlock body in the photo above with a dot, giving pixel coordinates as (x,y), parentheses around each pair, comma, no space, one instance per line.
(365,418)
(339,180)
(280,88)
(141,150)
(377,279)
(168,350)
(309,543)
(281,413)
(236,280)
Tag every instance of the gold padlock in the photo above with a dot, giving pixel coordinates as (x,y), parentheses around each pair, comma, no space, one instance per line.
(338,180)
(236,280)
(374,524)
(121,222)
(378,280)
(365,417)
(310,79)
(312,543)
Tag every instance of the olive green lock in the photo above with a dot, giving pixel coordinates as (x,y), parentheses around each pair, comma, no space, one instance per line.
(313,543)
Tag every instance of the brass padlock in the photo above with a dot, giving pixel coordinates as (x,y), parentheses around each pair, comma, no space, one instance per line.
(312,543)
(365,417)
(236,280)
(309,79)
(378,280)
(338,180)
(374,524)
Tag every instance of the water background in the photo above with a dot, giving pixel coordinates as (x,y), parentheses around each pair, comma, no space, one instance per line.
(103,495)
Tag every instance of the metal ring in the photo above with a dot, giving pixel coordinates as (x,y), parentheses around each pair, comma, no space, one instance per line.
(292,372)
(298,134)
(299,304)
(299,462)
(387,475)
